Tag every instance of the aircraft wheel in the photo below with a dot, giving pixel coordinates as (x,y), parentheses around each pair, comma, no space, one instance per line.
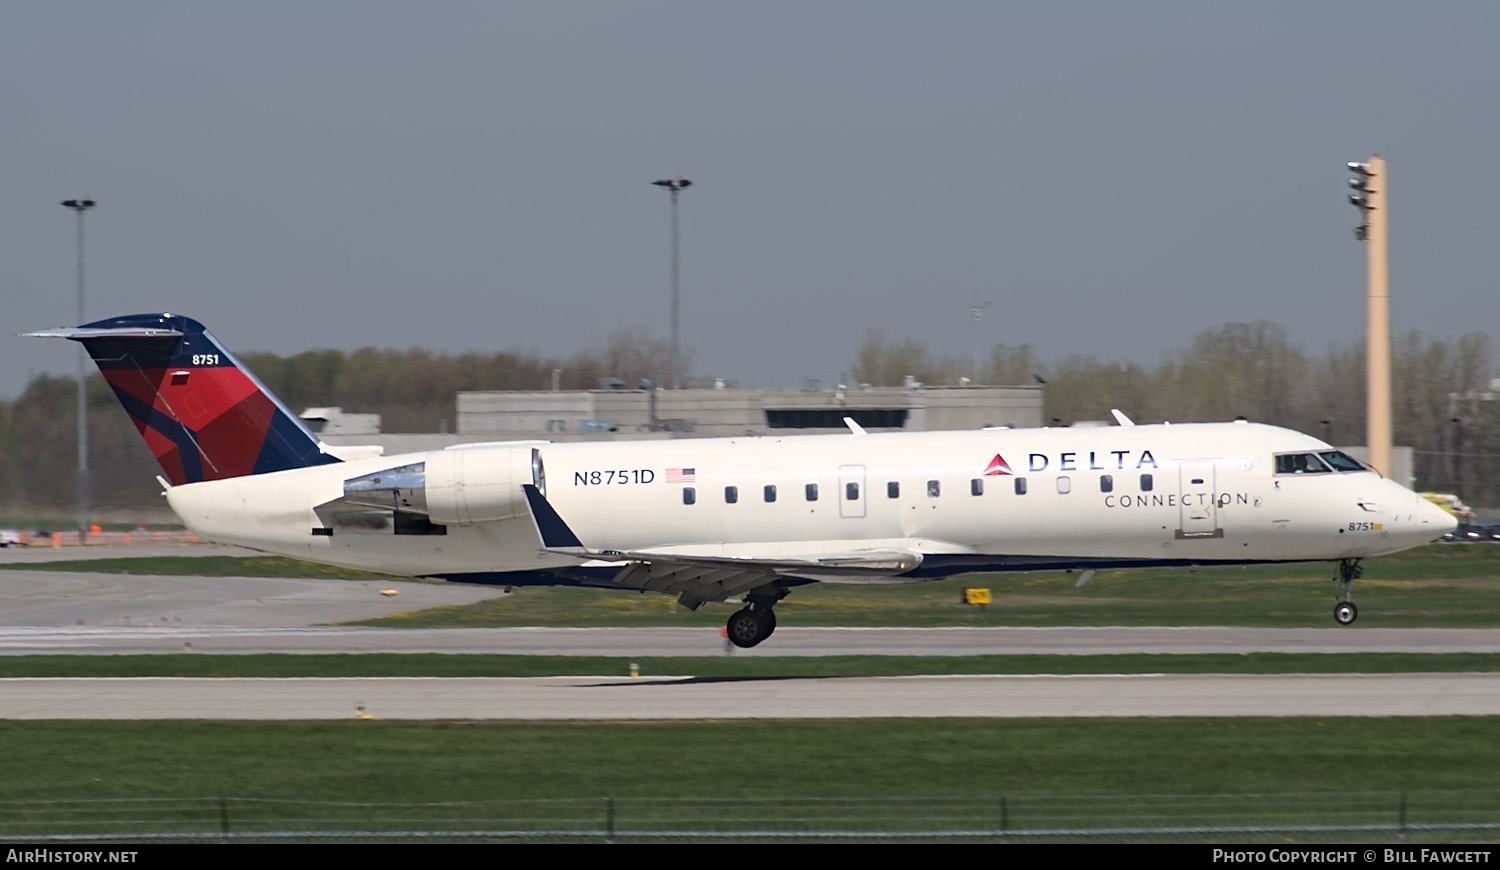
(769,616)
(747,627)
(1345,612)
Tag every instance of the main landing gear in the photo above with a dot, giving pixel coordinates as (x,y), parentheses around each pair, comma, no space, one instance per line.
(1348,571)
(755,621)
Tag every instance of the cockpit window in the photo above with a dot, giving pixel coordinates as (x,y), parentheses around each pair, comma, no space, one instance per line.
(1341,461)
(1300,463)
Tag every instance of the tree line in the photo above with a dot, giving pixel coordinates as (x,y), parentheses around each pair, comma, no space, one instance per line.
(1441,403)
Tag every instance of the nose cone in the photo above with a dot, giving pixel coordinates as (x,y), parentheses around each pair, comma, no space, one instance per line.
(1430,516)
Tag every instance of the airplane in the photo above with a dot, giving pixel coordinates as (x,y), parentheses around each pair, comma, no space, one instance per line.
(745,519)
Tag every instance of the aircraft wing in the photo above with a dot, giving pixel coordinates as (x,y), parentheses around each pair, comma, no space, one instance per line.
(708,573)
(692,584)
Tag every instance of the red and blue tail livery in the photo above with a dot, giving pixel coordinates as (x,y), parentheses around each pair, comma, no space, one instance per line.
(203,415)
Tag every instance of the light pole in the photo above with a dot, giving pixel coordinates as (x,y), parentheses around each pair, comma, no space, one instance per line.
(79,206)
(975,311)
(1458,455)
(1371,183)
(675,186)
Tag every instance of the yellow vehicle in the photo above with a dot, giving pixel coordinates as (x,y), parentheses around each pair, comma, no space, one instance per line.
(1452,504)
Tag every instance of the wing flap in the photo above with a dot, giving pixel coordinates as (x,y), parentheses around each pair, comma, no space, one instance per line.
(855,562)
(716,572)
(691,584)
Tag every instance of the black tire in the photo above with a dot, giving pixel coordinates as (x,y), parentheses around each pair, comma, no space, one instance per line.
(1345,612)
(746,628)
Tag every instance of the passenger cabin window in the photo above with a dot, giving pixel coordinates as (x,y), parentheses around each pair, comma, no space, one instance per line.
(1106,483)
(851,491)
(1146,483)
(770,492)
(689,495)
(1064,485)
(731,494)
(812,491)
(934,489)
(1300,463)
(976,486)
(893,489)
(1020,486)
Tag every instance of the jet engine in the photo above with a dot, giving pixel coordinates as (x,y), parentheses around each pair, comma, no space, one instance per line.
(455,487)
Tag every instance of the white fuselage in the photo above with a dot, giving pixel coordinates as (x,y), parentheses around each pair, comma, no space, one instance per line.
(975,500)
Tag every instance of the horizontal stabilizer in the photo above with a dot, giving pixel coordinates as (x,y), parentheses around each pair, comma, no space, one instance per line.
(79,333)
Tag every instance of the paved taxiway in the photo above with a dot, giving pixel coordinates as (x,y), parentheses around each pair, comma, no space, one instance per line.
(171,637)
(97,613)
(647,698)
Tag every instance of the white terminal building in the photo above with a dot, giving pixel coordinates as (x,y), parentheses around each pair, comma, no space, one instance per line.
(644,413)
(614,413)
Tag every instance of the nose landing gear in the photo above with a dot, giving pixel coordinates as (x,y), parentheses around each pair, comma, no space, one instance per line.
(1348,571)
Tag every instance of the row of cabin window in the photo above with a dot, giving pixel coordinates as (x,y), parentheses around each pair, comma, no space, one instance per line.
(893,489)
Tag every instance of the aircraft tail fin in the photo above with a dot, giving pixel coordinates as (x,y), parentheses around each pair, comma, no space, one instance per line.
(204,416)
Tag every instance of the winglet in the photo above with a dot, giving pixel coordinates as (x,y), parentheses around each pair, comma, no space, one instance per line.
(550,527)
(854,428)
(1121,418)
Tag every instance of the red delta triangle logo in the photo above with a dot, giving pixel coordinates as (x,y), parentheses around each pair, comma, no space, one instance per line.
(998,466)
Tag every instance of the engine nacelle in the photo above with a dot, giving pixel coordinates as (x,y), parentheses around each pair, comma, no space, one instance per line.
(455,487)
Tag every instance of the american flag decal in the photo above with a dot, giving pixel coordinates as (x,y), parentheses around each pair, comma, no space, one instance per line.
(680,475)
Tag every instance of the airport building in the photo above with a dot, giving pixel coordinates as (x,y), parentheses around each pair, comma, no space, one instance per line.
(613,413)
(645,413)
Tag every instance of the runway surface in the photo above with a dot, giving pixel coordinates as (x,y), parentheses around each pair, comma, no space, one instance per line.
(169,637)
(98,613)
(646,698)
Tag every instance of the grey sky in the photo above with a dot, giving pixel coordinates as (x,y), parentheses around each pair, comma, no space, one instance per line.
(1113,177)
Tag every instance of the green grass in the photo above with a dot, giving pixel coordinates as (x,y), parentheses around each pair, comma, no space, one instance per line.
(204,566)
(465,665)
(978,760)
(127,778)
